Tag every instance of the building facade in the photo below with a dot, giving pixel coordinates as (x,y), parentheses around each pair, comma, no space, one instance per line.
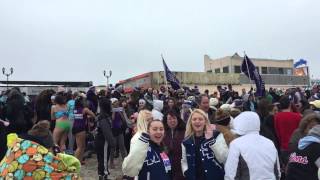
(210,81)
(226,70)
(232,64)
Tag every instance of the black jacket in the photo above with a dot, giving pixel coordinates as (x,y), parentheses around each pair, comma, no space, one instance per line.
(104,129)
(3,141)
(302,163)
(267,130)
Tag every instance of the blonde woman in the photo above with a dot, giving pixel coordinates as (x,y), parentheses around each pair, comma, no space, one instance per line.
(132,169)
(198,159)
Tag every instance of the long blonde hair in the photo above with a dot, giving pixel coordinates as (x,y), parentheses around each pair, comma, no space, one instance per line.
(144,117)
(189,130)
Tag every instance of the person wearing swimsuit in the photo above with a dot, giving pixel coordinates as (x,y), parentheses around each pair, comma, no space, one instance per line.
(79,126)
(59,113)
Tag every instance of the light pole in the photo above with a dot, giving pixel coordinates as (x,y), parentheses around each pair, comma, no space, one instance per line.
(7,74)
(107,76)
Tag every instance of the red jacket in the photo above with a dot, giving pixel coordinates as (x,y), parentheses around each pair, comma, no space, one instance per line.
(285,123)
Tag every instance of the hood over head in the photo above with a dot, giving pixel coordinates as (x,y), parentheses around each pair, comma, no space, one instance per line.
(245,123)
(158,105)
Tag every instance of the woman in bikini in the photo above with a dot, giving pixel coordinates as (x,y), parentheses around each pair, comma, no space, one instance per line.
(59,114)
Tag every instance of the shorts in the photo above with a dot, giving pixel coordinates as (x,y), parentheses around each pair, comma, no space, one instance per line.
(65,125)
(78,126)
(76,130)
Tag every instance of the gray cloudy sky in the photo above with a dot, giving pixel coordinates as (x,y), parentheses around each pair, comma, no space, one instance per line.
(75,40)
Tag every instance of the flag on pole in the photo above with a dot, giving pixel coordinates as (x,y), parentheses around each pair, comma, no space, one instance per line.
(300,63)
(170,76)
(301,68)
(249,69)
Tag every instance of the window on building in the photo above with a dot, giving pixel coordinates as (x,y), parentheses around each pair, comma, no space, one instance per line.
(237,69)
(281,71)
(273,70)
(209,71)
(217,70)
(289,71)
(225,69)
(264,70)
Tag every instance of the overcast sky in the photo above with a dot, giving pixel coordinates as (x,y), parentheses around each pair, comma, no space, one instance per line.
(75,40)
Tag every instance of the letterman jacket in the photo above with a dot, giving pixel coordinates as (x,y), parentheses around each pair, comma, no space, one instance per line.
(146,161)
(212,168)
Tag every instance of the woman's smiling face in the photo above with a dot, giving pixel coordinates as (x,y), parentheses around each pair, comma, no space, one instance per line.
(198,123)
(156,131)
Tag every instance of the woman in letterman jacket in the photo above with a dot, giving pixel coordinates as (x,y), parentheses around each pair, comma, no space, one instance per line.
(150,160)
(130,169)
(198,158)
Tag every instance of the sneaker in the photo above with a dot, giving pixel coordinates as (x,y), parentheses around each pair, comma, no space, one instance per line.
(127,178)
(103,177)
(70,152)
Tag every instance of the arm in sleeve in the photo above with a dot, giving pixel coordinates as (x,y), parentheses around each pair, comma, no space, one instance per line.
(277,168)
(107,132)
(150,101)
(220,149)
(232,162)
(276,129)
(127,120)
(184,163)
(317,162)
(133,163)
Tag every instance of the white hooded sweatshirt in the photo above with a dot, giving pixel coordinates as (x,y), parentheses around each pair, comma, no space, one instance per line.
(251,156)
(157,108)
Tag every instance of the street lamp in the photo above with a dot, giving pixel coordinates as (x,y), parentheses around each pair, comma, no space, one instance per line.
(107,76)
(7,74)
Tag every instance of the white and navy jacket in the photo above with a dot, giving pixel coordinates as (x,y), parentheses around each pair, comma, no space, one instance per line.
(145,161)
(213,169)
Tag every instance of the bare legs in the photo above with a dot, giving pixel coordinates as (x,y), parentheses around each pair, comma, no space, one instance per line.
(81,143)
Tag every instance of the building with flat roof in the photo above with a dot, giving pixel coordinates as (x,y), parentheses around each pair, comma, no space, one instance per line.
(232,64)
(223,71)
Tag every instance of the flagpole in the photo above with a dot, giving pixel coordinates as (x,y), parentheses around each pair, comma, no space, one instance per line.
(165,77)
(308,71)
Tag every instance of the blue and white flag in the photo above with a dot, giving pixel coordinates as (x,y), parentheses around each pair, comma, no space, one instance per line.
(300,63)
(171,77)
(249,69)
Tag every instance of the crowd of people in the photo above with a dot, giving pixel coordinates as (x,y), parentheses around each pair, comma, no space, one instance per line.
(162,133)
